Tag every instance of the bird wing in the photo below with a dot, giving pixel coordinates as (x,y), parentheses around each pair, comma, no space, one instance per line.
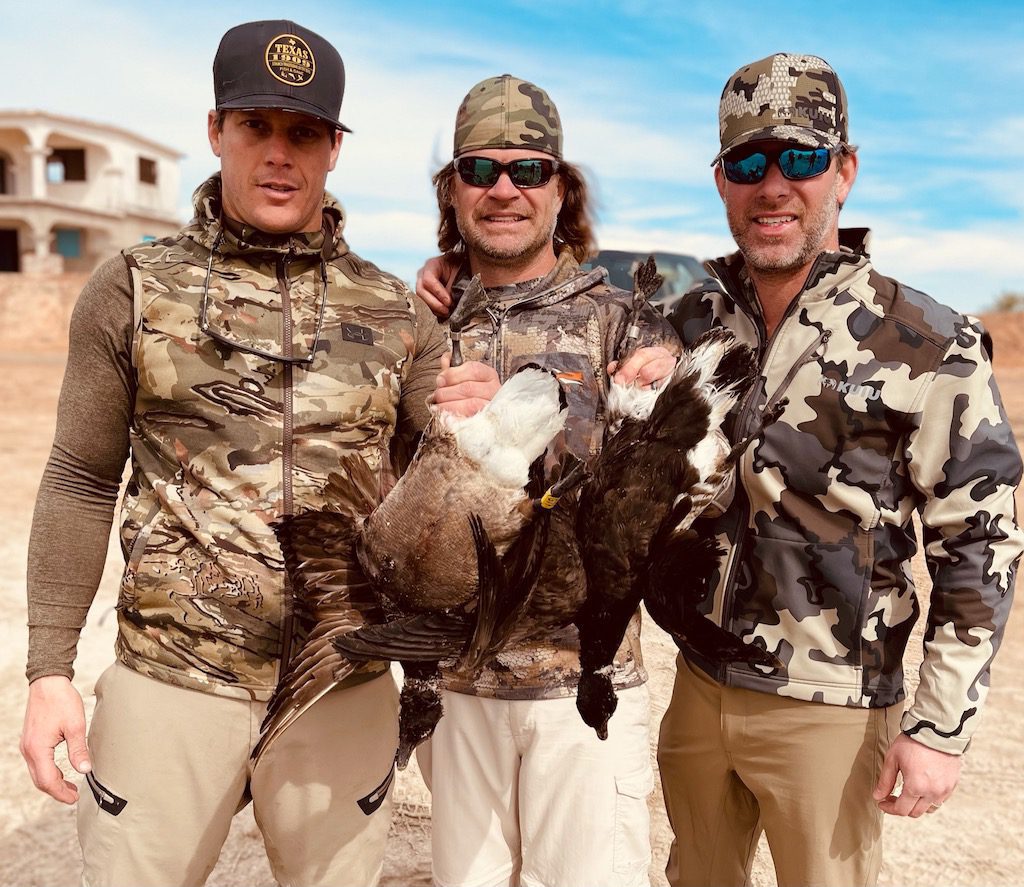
(330,594)
(424,637)
(505,586)
(679,581)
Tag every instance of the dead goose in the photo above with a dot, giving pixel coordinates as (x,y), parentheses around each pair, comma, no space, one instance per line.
(468,498)
(664,462)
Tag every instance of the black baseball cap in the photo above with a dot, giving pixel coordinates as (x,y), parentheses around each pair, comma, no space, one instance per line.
(279,64)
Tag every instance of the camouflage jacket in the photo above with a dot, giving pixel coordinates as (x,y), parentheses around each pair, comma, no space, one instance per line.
(570,322)
(225,440)
(892,408)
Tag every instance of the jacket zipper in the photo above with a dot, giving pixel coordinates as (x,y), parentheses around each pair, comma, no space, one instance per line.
(743,423)
(809,353)
(498,317)
(287,616)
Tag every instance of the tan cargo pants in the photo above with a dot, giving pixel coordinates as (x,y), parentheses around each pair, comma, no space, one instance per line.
(737,762)
(170,770)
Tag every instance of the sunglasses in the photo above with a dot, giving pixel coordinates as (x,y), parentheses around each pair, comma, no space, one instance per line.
(747,166)
(482,172)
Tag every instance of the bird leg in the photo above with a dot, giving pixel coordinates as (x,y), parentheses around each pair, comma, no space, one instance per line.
(472,300)
(646,282)
(573,473)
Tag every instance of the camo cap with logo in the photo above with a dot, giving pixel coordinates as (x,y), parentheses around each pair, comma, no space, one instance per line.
(279,64)
(793,98)
(506,112)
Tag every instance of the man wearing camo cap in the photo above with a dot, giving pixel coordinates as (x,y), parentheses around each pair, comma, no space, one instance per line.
(890,409)
(523,792)
(234,364)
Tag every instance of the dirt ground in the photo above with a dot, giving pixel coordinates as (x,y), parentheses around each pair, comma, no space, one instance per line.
(977,838)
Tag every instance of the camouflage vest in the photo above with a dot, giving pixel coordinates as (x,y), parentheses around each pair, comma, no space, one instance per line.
(224,440)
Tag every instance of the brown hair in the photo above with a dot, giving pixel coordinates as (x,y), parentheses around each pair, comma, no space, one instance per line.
(574,229)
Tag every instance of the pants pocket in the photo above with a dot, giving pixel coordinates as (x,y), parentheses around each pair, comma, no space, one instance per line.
(632,849)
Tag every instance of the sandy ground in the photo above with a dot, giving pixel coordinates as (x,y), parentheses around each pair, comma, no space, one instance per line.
(977,838)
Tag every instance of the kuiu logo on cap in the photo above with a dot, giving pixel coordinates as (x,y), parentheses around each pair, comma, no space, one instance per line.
(290,60)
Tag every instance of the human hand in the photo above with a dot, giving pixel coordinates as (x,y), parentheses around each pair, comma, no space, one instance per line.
(464,390)
(54,714)
(646,366)
(433,284)
(929,777)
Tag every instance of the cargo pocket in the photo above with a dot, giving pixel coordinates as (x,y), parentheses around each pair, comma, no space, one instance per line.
(632,851)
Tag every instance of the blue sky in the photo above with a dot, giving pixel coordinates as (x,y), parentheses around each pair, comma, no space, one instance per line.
(933,91)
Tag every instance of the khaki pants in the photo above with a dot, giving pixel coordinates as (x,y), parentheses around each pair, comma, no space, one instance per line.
(524,794)
(178,760)
(737,762)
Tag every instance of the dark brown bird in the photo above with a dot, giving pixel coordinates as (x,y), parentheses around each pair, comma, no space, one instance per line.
(664,462)
(450,554)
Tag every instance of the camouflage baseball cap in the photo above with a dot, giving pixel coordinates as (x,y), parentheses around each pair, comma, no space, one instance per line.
(506,112)
(793,98)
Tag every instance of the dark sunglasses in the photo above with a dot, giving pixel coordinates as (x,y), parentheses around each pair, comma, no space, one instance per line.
(747,166)
(482,172)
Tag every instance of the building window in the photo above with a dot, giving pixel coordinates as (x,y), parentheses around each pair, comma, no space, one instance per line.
(66,165)
(69,242)
(9,258)
(147,170)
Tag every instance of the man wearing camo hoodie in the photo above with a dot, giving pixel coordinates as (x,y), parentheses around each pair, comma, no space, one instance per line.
(891,409)
(523,792)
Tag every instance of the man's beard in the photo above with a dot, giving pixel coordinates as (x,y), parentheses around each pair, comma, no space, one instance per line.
(815,232)
(507,256)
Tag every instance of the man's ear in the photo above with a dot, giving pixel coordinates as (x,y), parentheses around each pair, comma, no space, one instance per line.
(213,133)
(847,176)
(336,148)
(720,181)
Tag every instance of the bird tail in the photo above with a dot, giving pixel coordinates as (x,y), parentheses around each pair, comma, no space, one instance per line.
(505,586)
(719,367)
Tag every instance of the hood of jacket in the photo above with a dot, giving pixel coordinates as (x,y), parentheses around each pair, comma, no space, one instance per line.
(235,238)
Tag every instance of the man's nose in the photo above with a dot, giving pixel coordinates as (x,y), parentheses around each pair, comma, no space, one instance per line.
(279,149)
(774,183)
(503,189)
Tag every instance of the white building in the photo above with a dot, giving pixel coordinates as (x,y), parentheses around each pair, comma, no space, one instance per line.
(74,192)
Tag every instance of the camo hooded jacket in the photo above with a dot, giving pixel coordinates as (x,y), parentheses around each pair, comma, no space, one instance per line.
(570,322)
(226,439)
(892,408)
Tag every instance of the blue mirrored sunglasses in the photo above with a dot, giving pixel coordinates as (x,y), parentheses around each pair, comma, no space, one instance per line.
(747,165)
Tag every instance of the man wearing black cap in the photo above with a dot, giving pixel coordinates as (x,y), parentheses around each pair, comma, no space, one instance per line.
(889,407)
(235,363)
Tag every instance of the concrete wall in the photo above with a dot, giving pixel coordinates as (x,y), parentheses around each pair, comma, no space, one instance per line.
(35,311)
